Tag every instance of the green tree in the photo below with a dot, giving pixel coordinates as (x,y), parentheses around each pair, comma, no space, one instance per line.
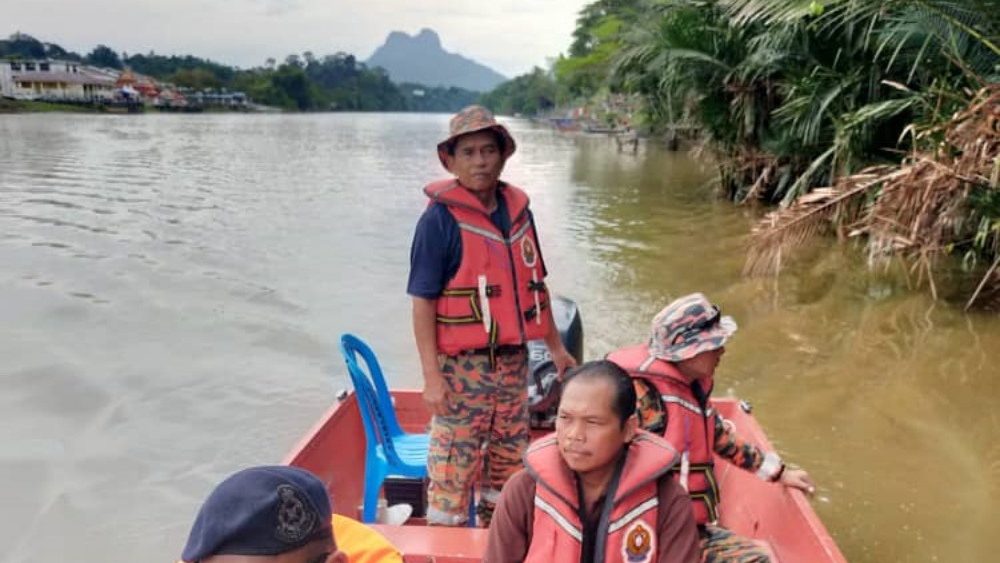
(197,78)
(104,56)
(22,45)
(529,94)
(164,67)
(291,83)
(436,98)
(595,43)
(800,95)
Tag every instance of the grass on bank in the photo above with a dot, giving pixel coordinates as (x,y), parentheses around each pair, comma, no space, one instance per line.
(31,106)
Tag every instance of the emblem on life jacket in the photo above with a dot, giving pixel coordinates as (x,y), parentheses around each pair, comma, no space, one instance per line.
(638,546)
(296,518)
(528,252)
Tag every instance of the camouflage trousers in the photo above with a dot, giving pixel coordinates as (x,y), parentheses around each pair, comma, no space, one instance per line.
(719,545)
(481,439)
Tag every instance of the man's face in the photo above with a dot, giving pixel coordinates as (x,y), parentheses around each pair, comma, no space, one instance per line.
(477,161)
(588,430)
(703,365)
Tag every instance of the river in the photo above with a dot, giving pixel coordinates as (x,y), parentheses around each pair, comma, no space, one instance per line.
(172,287)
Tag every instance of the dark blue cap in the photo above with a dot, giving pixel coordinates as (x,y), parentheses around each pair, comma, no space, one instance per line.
(260,511)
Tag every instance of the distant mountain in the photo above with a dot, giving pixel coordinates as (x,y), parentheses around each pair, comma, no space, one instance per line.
(421,59)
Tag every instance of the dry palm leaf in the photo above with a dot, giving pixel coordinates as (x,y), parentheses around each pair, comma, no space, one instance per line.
(920,208)
(810,215)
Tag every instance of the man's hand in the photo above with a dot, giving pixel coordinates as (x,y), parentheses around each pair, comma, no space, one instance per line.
(435,393)
(424,332)
(563,360)
(798,479)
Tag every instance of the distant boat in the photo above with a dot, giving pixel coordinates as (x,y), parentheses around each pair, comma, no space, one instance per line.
(565,123)
(603,129)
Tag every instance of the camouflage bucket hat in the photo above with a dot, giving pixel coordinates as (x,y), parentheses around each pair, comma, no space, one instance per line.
(687,327)
(470,120)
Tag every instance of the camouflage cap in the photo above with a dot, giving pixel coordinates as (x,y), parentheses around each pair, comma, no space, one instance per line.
(687,327)
(470,120)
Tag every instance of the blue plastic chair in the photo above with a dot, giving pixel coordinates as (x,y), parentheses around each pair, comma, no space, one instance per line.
(389,451)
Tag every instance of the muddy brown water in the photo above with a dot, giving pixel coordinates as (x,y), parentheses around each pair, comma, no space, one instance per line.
(172,288)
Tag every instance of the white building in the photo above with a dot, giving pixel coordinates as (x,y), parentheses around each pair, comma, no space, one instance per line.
(43,79)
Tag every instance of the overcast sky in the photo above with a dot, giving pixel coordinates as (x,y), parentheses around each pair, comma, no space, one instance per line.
(509,36)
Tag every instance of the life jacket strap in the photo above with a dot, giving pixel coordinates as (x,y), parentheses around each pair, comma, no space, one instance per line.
(491,291)
(472,294)
(705,499)
(532,312)
(708,496)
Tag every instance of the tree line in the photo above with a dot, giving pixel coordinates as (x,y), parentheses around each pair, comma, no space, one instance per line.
(872,119)
(301,82)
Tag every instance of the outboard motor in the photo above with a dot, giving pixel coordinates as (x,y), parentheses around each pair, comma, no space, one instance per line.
(543,382)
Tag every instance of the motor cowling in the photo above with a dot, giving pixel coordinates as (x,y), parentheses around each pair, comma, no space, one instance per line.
(543,381)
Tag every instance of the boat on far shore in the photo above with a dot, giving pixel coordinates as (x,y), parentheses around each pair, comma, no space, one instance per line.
(591,127)
(565,123)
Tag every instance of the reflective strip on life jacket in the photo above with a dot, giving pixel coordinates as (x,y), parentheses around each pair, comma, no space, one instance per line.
(686,404)
(494,236)
(558,518)
(633,514)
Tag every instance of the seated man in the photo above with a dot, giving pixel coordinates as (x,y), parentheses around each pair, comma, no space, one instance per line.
(275,514)
(279,514)
(673,377)
(598,489)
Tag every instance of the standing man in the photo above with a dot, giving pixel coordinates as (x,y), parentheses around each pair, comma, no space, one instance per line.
(673,377)
(477,284)
(598,489)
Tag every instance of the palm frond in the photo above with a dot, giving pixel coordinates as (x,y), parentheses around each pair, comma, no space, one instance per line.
(697,56)
(805,180)
(769,12)
(919,210)
(813,214)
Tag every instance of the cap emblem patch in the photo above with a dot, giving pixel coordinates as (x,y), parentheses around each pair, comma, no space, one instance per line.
(296,519)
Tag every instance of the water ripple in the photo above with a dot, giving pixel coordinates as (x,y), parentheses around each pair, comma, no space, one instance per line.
(63,223)
(196,338)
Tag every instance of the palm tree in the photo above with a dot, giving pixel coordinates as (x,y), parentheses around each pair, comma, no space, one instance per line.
(795,95)
(931,80)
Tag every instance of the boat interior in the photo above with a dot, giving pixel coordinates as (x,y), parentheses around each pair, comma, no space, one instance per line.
(335,450)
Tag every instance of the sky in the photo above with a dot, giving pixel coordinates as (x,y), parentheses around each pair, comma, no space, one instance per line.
(510,36)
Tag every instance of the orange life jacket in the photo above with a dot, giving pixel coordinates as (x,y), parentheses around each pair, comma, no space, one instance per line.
(497,296)
(690,425)
(627,531)
(361,543)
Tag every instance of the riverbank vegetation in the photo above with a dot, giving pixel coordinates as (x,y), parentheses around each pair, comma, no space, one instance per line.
(30,106)
(877,120)
(337,82)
